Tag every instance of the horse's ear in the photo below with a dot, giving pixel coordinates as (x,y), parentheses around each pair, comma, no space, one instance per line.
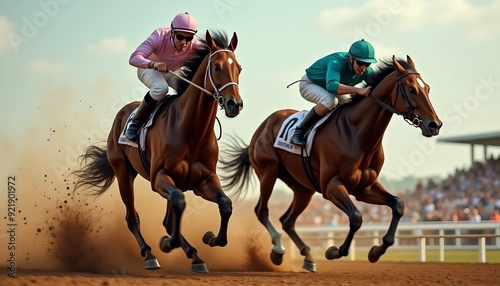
(234,42)
(210,42)
(410,62)
(399,67)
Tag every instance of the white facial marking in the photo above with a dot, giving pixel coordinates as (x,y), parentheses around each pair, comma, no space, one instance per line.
(420,82)
(230,61)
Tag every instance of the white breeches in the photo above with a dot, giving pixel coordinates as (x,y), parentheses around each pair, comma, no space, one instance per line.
(157,82)
(316,94)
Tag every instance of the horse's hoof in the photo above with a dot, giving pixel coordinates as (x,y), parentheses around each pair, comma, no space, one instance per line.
(375,253)
(199,268)
(332,253)
(309,266)
(209,238)
(276,258)
(152,264)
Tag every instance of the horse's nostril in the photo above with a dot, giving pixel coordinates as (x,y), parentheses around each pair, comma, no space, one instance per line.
(433,125)
(231,103)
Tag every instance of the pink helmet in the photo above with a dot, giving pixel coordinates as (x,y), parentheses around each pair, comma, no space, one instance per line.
(184,22)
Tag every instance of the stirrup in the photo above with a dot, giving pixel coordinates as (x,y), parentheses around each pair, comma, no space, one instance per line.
(298,138)
(133,130)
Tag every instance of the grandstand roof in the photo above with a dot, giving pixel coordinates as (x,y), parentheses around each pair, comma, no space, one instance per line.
(486,139)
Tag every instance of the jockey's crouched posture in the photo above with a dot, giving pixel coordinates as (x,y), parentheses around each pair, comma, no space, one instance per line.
(167,48)
(333,75)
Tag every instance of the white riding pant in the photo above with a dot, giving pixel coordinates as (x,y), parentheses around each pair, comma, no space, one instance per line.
(157,82)
(317,94)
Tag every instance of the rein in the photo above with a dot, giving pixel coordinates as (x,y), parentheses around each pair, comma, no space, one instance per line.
(216,95)
(416,120)
(306,162)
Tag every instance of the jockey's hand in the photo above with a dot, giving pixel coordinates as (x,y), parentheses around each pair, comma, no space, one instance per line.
(160,66)
(364,91)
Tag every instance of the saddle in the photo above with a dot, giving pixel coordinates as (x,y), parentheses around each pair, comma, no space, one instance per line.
(141,141)
(289,124)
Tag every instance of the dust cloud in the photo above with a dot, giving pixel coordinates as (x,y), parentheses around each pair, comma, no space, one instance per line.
(65,231)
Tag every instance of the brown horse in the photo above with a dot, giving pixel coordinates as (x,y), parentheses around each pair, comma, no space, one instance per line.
(180,149)
(346,158)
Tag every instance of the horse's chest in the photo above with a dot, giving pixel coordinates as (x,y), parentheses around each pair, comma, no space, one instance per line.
(190,169)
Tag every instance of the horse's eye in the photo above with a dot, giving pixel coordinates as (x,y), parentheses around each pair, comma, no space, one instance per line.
(411,89)
(217,67)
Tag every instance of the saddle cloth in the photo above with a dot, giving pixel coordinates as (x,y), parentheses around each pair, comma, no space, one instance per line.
(288,128)
(142,132)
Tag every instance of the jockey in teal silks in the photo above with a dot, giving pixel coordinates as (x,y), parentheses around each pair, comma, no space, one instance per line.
(331,76)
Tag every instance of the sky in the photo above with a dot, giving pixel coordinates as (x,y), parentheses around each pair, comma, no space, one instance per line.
(65,73)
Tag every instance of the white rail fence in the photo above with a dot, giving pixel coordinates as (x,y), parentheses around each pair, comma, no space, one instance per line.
(482,236)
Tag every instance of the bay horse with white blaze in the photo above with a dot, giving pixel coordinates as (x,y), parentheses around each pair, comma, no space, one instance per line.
(181,149)
(346,158)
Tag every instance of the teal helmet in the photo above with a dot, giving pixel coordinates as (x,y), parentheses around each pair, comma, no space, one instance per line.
(363,51)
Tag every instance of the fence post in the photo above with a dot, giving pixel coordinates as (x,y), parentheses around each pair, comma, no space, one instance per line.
(441,245)
(497,240)
(422,249)
(352,250)
(458,240)
(330,240)
(482,249)
(375,237)
(292,249)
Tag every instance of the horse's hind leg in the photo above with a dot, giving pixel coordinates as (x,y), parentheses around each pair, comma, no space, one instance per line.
(197,265)
(379,196)
(125,177)
(302,198)
(267,177)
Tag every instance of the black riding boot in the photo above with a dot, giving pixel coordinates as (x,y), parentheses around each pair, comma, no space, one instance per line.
(298,136)
(147,105)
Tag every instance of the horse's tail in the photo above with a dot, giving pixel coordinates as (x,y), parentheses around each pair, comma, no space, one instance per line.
(235,162)
(97,173)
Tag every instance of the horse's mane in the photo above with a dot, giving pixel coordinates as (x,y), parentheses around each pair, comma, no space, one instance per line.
(385,68)
(191,65)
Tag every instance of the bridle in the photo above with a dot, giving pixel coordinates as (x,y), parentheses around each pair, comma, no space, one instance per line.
(208,74)
(412,118)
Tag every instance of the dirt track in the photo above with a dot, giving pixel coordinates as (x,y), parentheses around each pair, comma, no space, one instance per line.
(72,247)
(74,241)
(329,273)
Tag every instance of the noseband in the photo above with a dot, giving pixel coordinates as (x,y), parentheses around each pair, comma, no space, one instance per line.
(412,118)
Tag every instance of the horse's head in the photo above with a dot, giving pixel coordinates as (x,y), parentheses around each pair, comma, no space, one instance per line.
(223,72)
(415,105)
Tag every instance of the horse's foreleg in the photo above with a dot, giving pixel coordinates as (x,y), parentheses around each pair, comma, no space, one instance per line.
(337,193)
(211,190)
(197,265)
(379,196)
(166,188)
